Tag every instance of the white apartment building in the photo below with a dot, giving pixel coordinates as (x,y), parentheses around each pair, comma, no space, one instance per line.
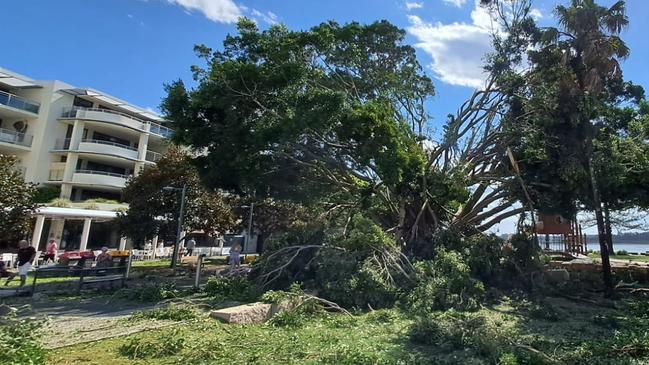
(81,140)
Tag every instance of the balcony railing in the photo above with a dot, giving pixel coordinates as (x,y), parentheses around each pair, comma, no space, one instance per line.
(16,138)
(153,127)
(19,102)
(109,143)
(153,156)
(105,173)
(56,175)
(161,130)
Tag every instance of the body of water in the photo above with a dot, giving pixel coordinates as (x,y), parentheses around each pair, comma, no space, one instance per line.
(628,247)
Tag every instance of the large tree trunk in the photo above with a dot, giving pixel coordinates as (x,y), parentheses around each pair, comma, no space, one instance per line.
(609,231)
(601,232)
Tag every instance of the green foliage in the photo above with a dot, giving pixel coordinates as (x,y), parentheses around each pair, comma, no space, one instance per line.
(231,288)
(154,292)
(60,203)
(357,276)
(444,282)
(172,313)
(19,342)
(355,270)
(166,344)
(45,194)
(17,200)
(523,253)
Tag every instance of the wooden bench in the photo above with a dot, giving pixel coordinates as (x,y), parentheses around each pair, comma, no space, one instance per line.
(85,275)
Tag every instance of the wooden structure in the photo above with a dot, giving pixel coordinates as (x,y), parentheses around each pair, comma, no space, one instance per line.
(561,234)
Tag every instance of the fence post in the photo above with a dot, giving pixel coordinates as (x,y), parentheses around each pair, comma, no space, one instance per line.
(199,264)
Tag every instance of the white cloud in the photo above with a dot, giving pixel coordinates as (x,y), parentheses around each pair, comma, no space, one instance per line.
(457,3)
(130,16)
(269,17)
(536,14)
(457,49)
(414,5)
(220,11)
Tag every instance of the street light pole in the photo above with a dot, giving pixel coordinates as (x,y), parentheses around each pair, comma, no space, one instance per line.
(248,236)
(174,258)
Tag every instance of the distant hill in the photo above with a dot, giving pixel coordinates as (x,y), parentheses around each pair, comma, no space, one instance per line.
(642,237)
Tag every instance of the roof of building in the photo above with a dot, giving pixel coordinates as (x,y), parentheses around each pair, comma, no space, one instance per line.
(113,101)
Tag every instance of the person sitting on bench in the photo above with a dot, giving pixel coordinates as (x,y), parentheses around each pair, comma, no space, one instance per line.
(104,259)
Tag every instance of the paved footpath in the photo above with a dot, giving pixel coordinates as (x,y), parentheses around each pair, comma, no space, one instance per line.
(73,322)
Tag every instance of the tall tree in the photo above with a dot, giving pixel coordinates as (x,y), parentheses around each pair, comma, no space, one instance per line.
(152,211)
(556,108)
(334,117)
(16,201)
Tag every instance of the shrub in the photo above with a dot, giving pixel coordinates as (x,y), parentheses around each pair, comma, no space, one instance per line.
(140,347)
(18,342)
(153,292)
(60,203)
(622,253)
(231,288)
(45,194)
(444,282)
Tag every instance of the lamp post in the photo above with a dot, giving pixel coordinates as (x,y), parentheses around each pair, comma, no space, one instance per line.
(174,257)
(249,233)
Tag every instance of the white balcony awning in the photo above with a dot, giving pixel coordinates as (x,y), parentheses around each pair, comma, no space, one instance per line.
(115,102)
(13,80)
(72,213)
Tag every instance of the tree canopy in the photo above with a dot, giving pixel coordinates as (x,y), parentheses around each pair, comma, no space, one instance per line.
(153,211)
(334,117)
(16,201)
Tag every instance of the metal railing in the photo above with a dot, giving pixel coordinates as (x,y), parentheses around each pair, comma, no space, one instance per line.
(153,127)
(19,102)
(56,175)
(160,130)
(153,156)
(109,143)
(105,173)
(15,137)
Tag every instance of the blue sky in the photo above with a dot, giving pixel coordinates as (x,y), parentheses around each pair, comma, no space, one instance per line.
(129,48)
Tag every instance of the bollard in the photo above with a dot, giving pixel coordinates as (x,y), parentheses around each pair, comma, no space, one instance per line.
(128,264)
(199,264)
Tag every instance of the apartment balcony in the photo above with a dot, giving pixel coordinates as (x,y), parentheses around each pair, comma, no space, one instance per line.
(17,105)
(99,178)
(99,147)
(152,156)
(19,139)
(57,171)
(116,118)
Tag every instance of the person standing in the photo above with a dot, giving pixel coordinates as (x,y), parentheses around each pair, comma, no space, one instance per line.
(191,244)
(50,251)
(26,254)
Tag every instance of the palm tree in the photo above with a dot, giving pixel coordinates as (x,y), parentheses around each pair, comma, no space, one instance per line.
(592,33)
(593,49)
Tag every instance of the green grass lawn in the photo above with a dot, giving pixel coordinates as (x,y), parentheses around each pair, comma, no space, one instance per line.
(568,332)
(636,258)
